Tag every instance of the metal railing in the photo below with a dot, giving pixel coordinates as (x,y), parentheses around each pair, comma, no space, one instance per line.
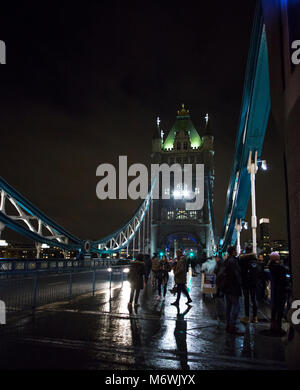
(26,290)
(55,264)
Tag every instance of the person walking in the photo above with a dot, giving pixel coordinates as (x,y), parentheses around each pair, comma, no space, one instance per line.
(261,279)
(249,273)
(180,278)
(193,266)
(163,277)
(232,288)
(148,267)
(278,293)
(136,279)
(219,296)
(155,270)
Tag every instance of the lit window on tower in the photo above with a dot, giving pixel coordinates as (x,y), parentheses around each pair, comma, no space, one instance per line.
(181,214)
(170,215)
(193,214)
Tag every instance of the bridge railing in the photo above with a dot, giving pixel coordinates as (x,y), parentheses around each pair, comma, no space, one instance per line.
(26,290)
(9,266)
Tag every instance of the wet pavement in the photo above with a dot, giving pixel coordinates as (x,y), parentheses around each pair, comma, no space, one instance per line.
(100,332)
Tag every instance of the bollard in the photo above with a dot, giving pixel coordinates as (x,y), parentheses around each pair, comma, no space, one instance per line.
(35,290)
(122,270)
(70,285)
(94,280)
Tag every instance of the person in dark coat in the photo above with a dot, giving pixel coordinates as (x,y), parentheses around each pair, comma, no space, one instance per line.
(261,279)
(180,278)
(136,278)
(193,266)
(220,293)
(278,293)
(163,276)
(248,265)
(232,290)
(155,270)
(148,266)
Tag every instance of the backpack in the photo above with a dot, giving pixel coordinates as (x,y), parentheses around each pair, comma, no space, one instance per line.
(252,271)
(155,265)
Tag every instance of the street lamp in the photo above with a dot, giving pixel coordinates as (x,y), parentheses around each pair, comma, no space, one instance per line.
(252,168)
(238,228)
(264,165)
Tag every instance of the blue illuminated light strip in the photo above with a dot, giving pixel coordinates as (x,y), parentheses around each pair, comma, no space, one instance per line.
(250,137)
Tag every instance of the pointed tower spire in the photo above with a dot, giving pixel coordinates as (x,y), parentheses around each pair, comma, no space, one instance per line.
(156,132)
(207,125)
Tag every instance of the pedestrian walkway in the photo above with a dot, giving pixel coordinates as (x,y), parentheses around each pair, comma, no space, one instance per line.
(101,333)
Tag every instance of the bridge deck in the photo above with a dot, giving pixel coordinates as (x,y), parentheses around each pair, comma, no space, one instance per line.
(99,333)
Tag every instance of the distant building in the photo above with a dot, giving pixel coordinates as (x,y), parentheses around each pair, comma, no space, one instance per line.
(17,250)
(264,241)
(282,247)
(264,225)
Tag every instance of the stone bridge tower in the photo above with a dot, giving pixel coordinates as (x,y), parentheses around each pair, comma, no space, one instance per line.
(171,225)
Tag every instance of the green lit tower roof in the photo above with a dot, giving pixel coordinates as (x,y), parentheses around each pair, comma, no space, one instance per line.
(183,122)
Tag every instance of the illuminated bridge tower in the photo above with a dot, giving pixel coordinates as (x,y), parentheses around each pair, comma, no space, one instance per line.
(172,226)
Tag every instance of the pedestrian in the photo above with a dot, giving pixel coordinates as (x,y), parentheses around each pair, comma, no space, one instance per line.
(155,269)
(136,279)
(148,267)
(163,276)
(193,266)
(219,296)
(249,273)
(231,286)
(261,279)
(180,278)
(278,293)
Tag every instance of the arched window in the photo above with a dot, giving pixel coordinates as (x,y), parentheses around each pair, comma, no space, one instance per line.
(178,145)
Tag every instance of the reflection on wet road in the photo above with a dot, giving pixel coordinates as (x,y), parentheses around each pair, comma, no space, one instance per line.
(101,332)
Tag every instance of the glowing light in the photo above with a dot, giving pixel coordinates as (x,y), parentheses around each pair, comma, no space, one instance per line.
(196,143)
(109,269)
(177,194)
(126,270)
(45,246)
(181,194)
(3,243)
(264,165)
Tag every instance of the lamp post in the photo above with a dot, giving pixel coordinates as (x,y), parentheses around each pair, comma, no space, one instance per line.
(252,169)
(238,228)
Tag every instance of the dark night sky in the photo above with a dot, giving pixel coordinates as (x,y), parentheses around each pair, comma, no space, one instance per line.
(84,83)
